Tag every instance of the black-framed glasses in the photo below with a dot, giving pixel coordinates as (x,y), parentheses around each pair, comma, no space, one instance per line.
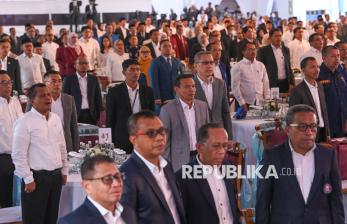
(6,82)
(152,133)
(108,180)
(304,127)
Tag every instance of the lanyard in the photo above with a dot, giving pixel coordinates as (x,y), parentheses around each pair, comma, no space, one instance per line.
(133,103)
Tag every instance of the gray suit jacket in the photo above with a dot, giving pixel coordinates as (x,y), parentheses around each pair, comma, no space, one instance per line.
(172,115)
(71,135)
(219,113)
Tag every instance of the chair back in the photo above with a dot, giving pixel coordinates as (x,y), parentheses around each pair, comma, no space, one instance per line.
(271,134)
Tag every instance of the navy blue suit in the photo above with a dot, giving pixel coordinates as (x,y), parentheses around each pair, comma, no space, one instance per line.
(281,201)
(143,195)
(87,213)
(198,199)
(163,76)
(335,89)
(71,86)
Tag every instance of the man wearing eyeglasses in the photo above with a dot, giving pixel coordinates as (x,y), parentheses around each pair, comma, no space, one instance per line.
(212,89)
(249,79)
(214,195)
(10,111)
(307,186)
(103,184)
(150,188)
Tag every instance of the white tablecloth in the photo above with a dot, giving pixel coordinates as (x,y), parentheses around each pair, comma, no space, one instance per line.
(243,130)
(72,195)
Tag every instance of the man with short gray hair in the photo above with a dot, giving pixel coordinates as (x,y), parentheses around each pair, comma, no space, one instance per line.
(305,185)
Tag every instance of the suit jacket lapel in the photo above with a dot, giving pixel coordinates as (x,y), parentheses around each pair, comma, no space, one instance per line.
(181,116)
(215,96)
(142,95)
(230,185)
(65,109)
(89,90)
(199,90)
(205,189)
(308,93)
(126,97)
(288,163)
(318,161)
(77,86)
(94,212)
(149,178)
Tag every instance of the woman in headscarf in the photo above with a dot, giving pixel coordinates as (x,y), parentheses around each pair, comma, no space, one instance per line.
(67,54)
(145,60)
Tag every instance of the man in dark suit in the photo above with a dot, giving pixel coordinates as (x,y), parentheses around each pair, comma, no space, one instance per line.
(229,40)
(74,10)
(207,192)
(311,93)
(90,10)
(163,72)
(15,41)
(10,65)
(212,90)
(86,91)
(276,59)
(121,31)
(124,100)
(102,182)
(154,45)
(301,182)
(141,34)
(150,188)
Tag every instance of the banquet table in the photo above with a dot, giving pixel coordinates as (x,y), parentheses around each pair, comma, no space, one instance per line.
(243,130)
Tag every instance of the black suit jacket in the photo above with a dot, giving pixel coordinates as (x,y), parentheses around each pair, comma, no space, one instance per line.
(280,200)
(142,38)
(198,198)
(71,86)
(301,95)
(13,71)
(47,63)
(119,32)
(87,213)
(267,57)
(150,46)
(15,45)
(144,196)
(118,111)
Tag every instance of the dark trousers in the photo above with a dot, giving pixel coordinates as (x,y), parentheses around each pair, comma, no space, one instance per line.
(283,85)
(42,205)
(6,180)
(86,117)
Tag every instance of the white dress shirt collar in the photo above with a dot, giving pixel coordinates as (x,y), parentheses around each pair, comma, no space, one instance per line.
(104,212)
(276,48)
(39,114)
(129,88)
(203,82)
(81,77)
(151,166)
(247,61)
(185,105)
(307,153)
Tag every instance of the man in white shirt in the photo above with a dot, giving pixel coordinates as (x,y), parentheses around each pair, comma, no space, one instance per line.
(50,49)
(32,68)
(90,46)
(306,182)
(297,47)
(249,79)
(288,35)
(103,183)
(114,62)
(149,25)
(330,34)
(317,42)
(10,111)
(214,188)
(182,117)
(150,188)
(40,158)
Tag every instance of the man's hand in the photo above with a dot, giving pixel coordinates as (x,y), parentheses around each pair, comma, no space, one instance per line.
(158,102)
(30,187)
(245,107)
(63,179)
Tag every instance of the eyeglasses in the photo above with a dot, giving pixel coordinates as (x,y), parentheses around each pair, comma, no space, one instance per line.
(6,83)
(152,133)
(304,127)
(206,62)
(108,180)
